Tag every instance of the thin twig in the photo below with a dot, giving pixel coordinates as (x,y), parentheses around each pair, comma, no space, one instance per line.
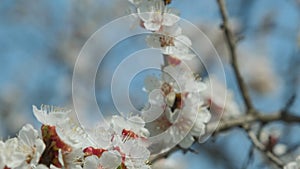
(252,115)
(166,154)
(251,118)
(279,163)
(232,49)
(250,156)
(289,104)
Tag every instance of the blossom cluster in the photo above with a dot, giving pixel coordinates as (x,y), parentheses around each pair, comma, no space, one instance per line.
(63,144)
(183,114)
(178,108)
(176,99)
(163,21)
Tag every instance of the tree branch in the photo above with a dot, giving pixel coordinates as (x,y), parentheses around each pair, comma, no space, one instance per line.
(251,115)
(251,118)
(262,148)
(166,154)
(244,122)
(232,49)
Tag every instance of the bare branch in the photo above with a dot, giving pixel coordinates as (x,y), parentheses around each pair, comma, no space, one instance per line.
(232,49)
(251,118)
(263,149)
(289,104)
(166,154)
(252,115)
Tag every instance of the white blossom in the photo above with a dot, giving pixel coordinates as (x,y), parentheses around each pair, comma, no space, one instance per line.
(72,134)
(124,138)
(280,149)
(68,131)
(134,124)
(154,15)
(108,160)
(215,96)
(49,115)
(102,137)
(31,145)
(172,43)
(185,119)
(23,151)
(10,155)
(73,159)
(136,154)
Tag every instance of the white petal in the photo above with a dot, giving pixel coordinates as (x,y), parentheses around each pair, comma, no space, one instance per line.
(102,136)
(40,147)
(170,99)
(172,31)
(152,25)
(72,134)
(280,149)
(172,116)
(91,162)
(39,115)
(204,115)
(198,130)
(13,157)
(144,16)
(136,122)
(110,160)
(183,41)
(28,135)
(53,167)
(291,165)
(41,166)
(49,116)
(187,141)
(170,17)
(156,106)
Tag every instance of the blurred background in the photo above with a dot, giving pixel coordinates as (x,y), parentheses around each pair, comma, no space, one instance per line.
(40,41)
